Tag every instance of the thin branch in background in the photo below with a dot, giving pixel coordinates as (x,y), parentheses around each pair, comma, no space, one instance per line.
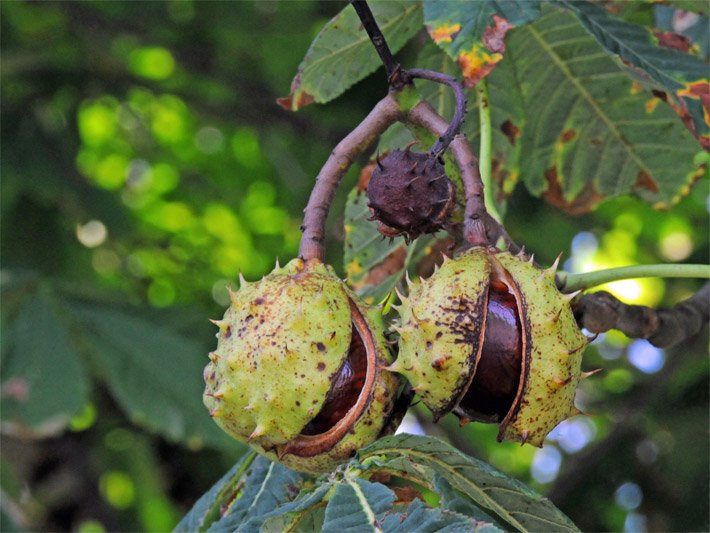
(600,311)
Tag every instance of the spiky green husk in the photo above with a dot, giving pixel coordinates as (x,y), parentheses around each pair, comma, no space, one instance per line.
(440,331)
(555,355)
(439,345)
(279,344)
(371,425)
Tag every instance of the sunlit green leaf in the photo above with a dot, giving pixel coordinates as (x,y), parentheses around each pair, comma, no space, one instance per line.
(586,131)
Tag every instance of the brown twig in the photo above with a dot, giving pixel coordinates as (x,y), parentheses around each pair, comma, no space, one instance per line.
(382,116)
(453,128)
(600,311)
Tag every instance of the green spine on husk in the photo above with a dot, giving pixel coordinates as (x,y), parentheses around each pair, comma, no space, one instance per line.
(439,347)
(439,341)
(293,325)
(280,344)
(554,356)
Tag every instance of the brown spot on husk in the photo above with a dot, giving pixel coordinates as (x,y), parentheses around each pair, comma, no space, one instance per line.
(359,375)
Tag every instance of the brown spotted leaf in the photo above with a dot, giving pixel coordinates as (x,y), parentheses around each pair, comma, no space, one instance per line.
(653,60)
(473,31)
(571,124)
(342,54)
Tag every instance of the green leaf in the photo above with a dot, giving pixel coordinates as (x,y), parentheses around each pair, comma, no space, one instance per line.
(455,501)
(424,457)
(586,131)
(473,32)
(681,75)
(342,54)
(305,513)
(355,506)
(43,380)
(154,374)
(267,485)
(419,518)
(208,508)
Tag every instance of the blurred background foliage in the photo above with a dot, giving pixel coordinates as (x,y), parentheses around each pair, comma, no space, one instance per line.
(145,163)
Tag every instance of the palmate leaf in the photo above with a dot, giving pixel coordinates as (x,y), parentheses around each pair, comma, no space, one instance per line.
(266,486)
(43,379)
(473,31)
(422,519)
(154,373)
(209,507)
(342,54)
(424,458)
(681,75)
(582,130)
(355,505)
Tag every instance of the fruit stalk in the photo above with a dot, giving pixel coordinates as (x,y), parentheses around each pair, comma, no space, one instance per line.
(382,116)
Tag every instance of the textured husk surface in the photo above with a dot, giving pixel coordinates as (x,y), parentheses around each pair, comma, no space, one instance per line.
(281,342)
(553,363)
(441,330)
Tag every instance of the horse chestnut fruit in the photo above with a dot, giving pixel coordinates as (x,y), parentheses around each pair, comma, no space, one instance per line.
(489,337)
(298,370)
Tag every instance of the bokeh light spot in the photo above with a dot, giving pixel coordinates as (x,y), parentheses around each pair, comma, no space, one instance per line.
(629,496)
(117,489)
(245,147)
(546,464)
(647,451)
(161,293)
(618,380)
(110,172)
(676,246)
(91,526)
(573,435)
(153,63)
(97,123)
(91,234)
(635,523)
(209,140)
(85,419)
(646,357)
(410,425)
(165,178)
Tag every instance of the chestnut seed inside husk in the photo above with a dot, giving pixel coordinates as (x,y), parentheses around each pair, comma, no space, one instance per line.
(495,383)
(347,384)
